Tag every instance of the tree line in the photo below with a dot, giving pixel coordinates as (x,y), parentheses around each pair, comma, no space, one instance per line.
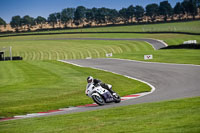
(98,16)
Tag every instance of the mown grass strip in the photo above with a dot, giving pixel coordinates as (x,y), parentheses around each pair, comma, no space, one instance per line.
(169,116)
(76,49)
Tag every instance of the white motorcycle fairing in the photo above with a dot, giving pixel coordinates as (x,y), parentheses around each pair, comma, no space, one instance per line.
(100,95)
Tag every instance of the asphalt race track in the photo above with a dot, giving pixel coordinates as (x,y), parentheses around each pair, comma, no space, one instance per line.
(171,81)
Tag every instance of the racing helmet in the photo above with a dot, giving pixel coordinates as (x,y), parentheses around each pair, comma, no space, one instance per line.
(90,79)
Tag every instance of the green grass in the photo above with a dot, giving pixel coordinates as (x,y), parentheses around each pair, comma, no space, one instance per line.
(175,116)
(68,49)
(35,86)
(192,27)
(179,56)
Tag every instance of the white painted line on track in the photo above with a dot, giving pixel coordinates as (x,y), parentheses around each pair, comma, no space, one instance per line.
(70,63)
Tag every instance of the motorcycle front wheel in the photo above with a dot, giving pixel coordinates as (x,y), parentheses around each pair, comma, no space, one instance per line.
(98,99)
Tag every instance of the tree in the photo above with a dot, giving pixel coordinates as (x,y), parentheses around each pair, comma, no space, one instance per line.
(185,8)
(2,22)
(124,15)
(101,15)
(152,11)
(16,22)
(95,12)
(165,9)
(40,20)
(52,20)
(90,16)
(178,10)
(58,17)
(130,12)
(67,15)
(192,8)
(113,16)
(79,15)
(27,20)
(139,13)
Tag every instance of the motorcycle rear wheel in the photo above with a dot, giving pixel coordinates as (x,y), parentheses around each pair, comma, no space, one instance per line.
(117,98)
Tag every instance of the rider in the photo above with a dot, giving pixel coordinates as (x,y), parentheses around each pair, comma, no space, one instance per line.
(97,82)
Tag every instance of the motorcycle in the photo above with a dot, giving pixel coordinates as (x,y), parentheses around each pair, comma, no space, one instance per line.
(102,96)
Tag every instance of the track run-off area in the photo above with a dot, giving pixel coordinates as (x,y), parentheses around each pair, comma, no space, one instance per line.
(171,81)
(56,48)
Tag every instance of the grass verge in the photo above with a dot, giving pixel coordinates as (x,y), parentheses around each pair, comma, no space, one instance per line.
(176,116)
(35,86)
(178,56)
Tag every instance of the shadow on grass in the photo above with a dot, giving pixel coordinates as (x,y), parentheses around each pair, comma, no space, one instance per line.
(183,46)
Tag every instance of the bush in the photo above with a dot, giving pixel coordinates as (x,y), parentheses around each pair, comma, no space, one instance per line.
(13,58)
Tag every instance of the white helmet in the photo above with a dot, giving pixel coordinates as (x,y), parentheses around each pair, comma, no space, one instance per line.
(90,79)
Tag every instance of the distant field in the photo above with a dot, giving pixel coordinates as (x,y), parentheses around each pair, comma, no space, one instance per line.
(170,39)
(71,49)
(190,27)
(175,116)
(41,48)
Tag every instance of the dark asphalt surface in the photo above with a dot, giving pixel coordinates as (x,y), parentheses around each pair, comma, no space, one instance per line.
(156,44)
(170,80)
